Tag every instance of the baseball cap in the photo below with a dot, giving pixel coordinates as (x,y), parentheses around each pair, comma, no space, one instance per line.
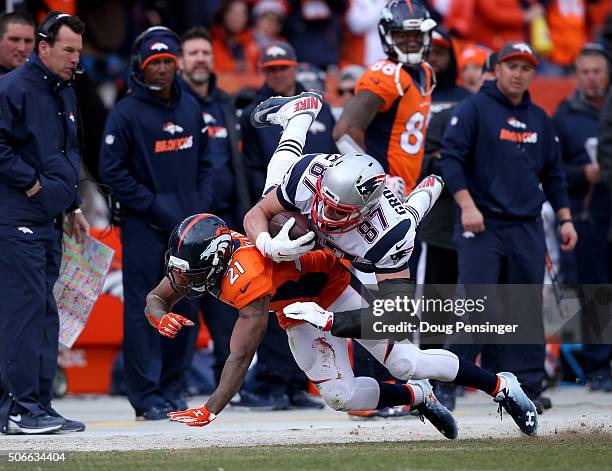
(489,64)
(158,44)
(441,38)
(473,55)
(517,50)
(269,6)
(278,53)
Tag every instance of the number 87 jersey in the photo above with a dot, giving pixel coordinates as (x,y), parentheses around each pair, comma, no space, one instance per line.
(382,238)
(396,135)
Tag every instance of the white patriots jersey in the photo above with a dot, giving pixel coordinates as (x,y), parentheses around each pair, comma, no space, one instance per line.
(381,243)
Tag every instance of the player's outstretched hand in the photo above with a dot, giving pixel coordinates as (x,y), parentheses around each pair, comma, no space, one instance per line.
(281,248)
(311,313)
(198,417)
(170,324)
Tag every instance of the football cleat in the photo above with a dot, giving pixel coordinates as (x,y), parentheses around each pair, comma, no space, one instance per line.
(280,109)
(432,410)
(512,398)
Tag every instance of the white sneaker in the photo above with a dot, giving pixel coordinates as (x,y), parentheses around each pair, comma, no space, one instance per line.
(279,109)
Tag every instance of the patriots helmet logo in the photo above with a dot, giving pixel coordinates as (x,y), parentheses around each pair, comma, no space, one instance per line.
(368,187)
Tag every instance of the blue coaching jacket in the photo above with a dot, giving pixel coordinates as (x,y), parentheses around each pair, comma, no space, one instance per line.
(577,126)
(502,153)
(38,140)
(154,156)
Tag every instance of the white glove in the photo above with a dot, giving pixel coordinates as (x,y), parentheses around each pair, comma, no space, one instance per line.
(311,313)
(281,248)
(397,185)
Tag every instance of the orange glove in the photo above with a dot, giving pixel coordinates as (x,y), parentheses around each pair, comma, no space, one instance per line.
(199,417)
(170,324)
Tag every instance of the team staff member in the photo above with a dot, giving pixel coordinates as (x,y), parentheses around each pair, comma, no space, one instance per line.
(577,124)
(16,40)
(388,115)
(154,157)
(39,176)
(497,150)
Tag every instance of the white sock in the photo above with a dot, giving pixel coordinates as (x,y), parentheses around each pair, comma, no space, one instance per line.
(289,150)
(417,392)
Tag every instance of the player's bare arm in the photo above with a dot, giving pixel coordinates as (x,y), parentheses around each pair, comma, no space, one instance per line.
(159,304)
(280,248)
(257,218)
(246,337)
(357,116)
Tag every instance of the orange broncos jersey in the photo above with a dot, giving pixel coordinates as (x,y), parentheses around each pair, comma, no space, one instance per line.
(318,276)
(396,136)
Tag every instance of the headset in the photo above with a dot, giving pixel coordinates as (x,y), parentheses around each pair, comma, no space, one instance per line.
(136,61)
(45,33)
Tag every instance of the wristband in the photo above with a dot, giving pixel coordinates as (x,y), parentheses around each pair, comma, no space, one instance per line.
(262,241)
(563,221)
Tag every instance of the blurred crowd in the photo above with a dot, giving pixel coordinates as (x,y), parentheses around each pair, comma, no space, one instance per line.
(293,45)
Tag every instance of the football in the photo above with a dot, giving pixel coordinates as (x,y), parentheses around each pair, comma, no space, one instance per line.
(301,226)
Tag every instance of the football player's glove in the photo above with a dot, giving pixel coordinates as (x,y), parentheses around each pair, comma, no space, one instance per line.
(311,313)
(170,324)
(281,248)
(197,417)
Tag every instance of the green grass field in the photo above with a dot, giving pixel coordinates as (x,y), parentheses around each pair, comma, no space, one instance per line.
(564,451)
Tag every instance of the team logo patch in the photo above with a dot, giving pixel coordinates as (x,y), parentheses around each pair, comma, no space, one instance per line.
(220,245)
(25,230)
(368,187)
(522,47)
(172,128)
(515,123)
(275,51)
(159,47)
(109,139)
(208,118)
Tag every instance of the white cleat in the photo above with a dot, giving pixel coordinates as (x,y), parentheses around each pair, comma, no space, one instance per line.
(512,398)
(279,109)
(433,410)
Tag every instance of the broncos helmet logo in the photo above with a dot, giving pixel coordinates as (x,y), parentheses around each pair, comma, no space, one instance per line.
(220,244)
(368,187)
